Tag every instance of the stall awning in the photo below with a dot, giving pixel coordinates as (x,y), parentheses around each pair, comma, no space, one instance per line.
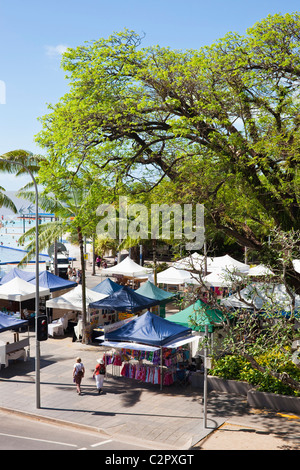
(124,300)
(148,289)
(145,347)
(182,342)
(8,322)
(149,329)
(19,290)
(52,282)
(128,268)
(124,345)
(201,313)
(72,300)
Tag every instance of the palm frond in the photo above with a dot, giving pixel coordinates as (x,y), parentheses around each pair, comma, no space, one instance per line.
(7,202)
(48,232)
(28,159)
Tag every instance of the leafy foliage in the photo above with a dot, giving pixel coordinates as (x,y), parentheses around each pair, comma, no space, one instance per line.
(218,126)
(238,368)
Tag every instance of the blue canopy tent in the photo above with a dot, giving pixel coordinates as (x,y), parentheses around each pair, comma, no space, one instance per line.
(149,329)
(16,348)
(16,272)
(8,322)
(107,287)
(52,282)
(124,300)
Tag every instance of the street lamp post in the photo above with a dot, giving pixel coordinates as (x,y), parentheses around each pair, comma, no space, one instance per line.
(37,289)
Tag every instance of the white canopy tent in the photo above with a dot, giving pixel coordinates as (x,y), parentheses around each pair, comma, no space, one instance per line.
(128,268)
(227,263)
(176,277)
(72,300)
(258,295)
(19,290)
(217,264)
(260,270)
(194,262)
(220,279)
(296,264)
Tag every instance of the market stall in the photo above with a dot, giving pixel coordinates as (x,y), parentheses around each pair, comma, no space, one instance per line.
(260,270)
(174,276)
(260,296)
(18,348)
(125,300)
(150,349)
(148,289)
(72,300)
(69,306)
(122,304)
(16,272)
(227,263)
(107,287)
(202,314)
(52,282)
(194,262)
(128,271)
(18,295)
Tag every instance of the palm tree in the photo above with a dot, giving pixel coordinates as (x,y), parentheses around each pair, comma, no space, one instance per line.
(10,163)
(5,201)
(71,217)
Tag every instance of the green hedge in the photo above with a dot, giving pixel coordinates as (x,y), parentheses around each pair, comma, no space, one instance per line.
(238,368)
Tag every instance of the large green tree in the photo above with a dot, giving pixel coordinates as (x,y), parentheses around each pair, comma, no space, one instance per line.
(218,125)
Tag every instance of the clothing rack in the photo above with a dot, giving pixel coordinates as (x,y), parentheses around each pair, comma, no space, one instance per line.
(160,368)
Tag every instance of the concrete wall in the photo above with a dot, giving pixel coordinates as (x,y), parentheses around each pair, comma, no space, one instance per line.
(255,399)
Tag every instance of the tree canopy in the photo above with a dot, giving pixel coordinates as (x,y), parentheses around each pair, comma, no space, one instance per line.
(218,125)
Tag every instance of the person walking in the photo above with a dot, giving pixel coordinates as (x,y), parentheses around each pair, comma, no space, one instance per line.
(98,374)
(78,374)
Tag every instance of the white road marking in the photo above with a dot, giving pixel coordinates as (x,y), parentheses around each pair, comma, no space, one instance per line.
(39,440)
(101,443)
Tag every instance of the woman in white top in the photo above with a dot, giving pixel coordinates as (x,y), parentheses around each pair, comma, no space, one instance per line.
(78,374)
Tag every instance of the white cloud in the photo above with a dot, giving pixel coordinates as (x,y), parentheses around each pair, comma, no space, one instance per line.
(54,51)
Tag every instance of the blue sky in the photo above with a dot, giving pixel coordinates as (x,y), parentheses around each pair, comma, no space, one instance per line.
(34,33)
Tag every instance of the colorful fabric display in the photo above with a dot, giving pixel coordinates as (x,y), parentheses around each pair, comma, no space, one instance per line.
(114,359)
(143,373)
(168,378)
(117,360)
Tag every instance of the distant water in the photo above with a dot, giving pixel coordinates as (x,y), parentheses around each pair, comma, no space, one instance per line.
(12,228)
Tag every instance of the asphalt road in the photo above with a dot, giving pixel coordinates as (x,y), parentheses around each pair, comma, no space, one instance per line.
(21,433)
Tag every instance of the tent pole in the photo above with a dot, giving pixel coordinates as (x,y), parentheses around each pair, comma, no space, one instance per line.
(161,369)
(28,340)
(205,380)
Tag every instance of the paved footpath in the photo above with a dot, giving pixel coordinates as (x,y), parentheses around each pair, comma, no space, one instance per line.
(169,419)
(137,412)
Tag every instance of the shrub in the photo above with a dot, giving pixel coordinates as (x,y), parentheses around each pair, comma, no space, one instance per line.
(234,367)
